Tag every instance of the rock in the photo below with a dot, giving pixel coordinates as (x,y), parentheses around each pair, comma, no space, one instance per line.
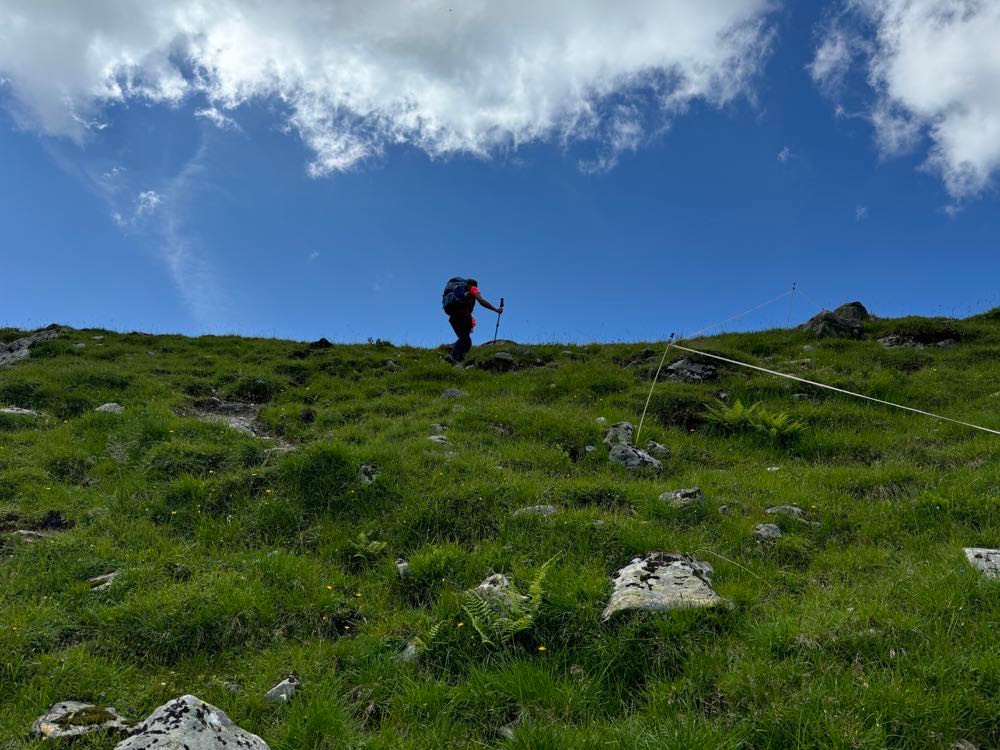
(111,408)
(893,341)
(790,511)
(963,745)
(689,371)
(439,439)
(499,362)
(283,691)
(947,343)
(566,353)
(536,510)
(725,510)
(17,411)
(590,448)
(681,499)
(20,349)
(660,582)
(403,568)
(75,719)
(29,536)
(368,473)
(986,561)
(102,583)
(807,347)
(801,397)
(829,323)
(773,469)
(392,366)
(410,654)
(601,420)
(853,311)
(496,591)
(452,393)
(722,396)
(657,449)
(619,434)
(188,723)
(79,345)
(632,458)
(437,429)
(766,532)
(320,344)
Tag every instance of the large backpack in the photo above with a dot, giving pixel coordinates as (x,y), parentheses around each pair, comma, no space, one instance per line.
(456,292)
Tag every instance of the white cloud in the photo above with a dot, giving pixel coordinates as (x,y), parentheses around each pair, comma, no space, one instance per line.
(314,255)
(861,213)
(933,67)
(214,116)
(146,203)
(446,77)
(785,154)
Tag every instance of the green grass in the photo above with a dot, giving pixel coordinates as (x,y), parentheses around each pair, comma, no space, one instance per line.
(241,563)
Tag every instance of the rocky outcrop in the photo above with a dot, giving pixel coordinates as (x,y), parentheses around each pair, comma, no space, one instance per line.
(986,561)
(681,499)
(660,582)
(830,324)
(619,433)
(853,311)
(766,532)
(189,723)
(632,458)
(688,371)
(20,349)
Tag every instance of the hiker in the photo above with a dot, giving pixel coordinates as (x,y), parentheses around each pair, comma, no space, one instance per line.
(460,296)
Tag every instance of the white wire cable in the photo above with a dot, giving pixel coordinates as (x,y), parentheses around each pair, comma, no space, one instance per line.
(834,388)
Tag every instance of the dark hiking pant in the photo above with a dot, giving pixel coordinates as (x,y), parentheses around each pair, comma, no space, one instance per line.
(462,325)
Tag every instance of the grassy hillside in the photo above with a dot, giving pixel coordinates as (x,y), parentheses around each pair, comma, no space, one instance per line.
(241,561)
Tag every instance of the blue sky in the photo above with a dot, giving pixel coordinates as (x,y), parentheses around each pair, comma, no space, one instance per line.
(204,211)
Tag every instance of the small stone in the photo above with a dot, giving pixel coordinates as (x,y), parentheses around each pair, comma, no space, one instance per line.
(590,448)
(766,532)
(102,583)
(601,420)
(111,408)
(620,433)
(283,691)
(801,397)
(190,723)
(437,429)
(536,510)
(392,366)
(410,654)
(659,582)
(452,393)
(632,458)
(681,499)
(403,568)
(807,347)
(439,439)
(566,353)
(722,396)
(29,536)
(79,345)
(963,745)
(368,473)
(75,719)
(507,732)
(986,561)
(657,449)
(947,343)
(773,468)
(725,510)
(97,338)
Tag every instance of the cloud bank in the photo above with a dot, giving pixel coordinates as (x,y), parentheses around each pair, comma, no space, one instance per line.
(933,72)
(354,77)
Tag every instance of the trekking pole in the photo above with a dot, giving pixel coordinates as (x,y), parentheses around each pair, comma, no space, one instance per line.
(497,329)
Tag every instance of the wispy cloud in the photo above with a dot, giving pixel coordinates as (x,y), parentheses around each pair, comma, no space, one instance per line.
(861,213)
(147,202)
(217,118)
(312,256)
(785,154)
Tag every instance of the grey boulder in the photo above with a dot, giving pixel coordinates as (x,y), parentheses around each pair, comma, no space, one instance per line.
(632,458)
(830,324)
(536,510)
(188,723)
(853,311)
(660,582)
(17,411)
(75,719)
(619,433)
(986,561)
(283,691)
(681,499)
(111,408)
(657,449)
(403,568)
(766,532)
(20,349)
(368,473)
(452,393)
(689,371)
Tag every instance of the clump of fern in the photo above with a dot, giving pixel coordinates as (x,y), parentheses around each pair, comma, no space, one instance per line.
(364,550)
(737,417)
(499,615)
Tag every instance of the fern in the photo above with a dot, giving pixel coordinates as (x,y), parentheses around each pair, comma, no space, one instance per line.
(426,643)
(740,418)
(499,616)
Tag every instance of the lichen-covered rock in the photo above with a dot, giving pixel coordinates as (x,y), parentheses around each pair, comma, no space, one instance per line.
(452,393)
(831,324)
(657,449)
(368,473)
(102,583)
(681,499)
(188,723)
(536,510)
(619,433)
(75,719)
(17,411)
(20,349)
(111,408)
(660,582)
(689,371)
(632,458)
(986,561)
(766,532)
(283,691)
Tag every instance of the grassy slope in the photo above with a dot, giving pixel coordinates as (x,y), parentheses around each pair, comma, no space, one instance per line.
(867,631)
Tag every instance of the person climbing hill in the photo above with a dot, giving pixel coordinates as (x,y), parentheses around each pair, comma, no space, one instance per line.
(458,300)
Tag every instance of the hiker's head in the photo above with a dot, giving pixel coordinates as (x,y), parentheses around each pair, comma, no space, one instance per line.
(472,282)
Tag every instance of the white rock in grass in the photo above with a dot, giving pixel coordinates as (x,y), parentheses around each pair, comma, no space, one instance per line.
(660,582)
(111,408)
(403,568)
(452,393)
(17,411)
(620,433)
(536,510)
(368,473)
(766,532)
(75,719)
(632,458)
(439,439)
(657,449)
(791,511)
(102,583)
(986,561)
(283,691)
(681,499)
(188,723)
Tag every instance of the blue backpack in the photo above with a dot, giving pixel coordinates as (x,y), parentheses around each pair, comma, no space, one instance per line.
(456,292)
